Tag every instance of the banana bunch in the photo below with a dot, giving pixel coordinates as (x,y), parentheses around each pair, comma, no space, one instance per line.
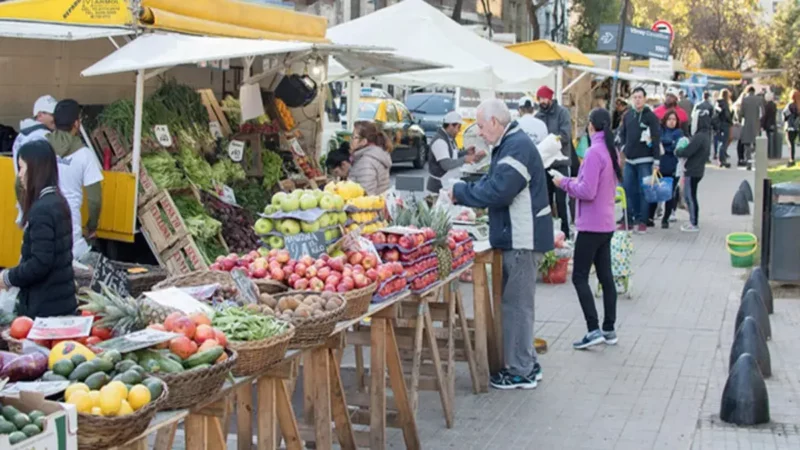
(363,217)
(368,229)
(371,202)
(286,115)
(348,190)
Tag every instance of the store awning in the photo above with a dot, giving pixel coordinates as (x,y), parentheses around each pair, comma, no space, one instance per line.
(158,50)
(57,32)
(547,51)
(728,74)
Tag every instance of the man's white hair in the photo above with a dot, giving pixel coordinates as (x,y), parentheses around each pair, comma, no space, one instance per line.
(769,96)
(494,107)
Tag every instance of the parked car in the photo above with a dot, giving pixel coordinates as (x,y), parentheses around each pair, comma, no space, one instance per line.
(408,138)
(430,108)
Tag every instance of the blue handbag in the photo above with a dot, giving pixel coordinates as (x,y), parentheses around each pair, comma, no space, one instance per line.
(656,188)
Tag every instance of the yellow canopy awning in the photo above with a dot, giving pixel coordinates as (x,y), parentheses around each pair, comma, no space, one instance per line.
(729,74)
(543,50)
(229,18)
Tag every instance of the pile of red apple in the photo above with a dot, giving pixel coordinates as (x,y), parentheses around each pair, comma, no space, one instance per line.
(415,268)
(460,245)
(405,242)
(423,282)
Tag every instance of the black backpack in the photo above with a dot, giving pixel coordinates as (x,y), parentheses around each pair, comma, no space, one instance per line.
(7,137)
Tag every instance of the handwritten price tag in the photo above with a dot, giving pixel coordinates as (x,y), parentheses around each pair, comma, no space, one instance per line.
(296,147)
(162,135)
(236,150)
(46,328)
(216,129)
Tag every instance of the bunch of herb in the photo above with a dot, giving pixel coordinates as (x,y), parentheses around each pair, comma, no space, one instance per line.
(196,167)
(250,195)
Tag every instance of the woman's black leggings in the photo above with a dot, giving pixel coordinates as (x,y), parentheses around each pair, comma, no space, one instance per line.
(792,141)
(595,248)
(690,195)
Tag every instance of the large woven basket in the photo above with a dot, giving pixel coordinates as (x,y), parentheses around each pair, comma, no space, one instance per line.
(98,432)
(257,356)
(139,283)
(314,331)
(196,386)
(358,301)
(198,278)
(14,345)
(266,286)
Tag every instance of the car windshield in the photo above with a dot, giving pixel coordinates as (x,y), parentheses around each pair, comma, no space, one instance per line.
(366,111)
(430,104)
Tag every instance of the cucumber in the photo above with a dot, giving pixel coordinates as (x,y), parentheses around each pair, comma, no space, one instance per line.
(170,366)
(63,367)
(204,357)
(148,358)
(124,366)
(112,355)
(97,380)
(77,359)
(103,364)
(50,376)
(131,357)
(84,370)
(202,366)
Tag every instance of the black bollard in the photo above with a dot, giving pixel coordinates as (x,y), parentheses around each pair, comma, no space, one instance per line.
(740,206)
(754,307)
(759,282)
(745,188)
(745,400)
(749,339)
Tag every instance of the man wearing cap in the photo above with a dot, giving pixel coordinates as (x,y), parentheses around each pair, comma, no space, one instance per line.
(671,102)
(445,158)
(78,170)
(558,122)
(535,128)
(33,129)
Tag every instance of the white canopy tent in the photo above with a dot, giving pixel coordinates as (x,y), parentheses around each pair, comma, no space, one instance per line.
(21,29)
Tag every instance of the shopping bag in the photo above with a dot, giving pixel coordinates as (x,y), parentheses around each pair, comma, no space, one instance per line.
(621,254)
(657,188)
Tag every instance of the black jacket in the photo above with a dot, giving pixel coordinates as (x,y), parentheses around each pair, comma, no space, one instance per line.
(768,121)
(44,275)
(724,114)
(633,123)
(696,153)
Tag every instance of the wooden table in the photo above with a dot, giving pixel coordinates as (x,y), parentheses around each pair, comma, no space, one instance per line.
(206,426)
(488,312)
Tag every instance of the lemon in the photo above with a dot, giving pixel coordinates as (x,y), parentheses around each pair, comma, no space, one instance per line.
(82,401)
(96,411)
(125,409)
(110,401)
(72,388)
(95,396)
(119,386)
(139,396)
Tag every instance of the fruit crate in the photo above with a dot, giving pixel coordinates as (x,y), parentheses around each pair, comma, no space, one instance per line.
(162,222)
(215,112)
(183,258)
(106,138)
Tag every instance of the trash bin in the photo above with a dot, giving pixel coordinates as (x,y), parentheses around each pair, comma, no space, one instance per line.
(784,242)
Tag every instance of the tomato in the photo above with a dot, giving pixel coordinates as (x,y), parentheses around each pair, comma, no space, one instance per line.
(43,343)
(20,327)
(81,340)
(103,334)
(93,340)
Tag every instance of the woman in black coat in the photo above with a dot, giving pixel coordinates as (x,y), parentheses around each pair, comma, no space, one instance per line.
(44,275)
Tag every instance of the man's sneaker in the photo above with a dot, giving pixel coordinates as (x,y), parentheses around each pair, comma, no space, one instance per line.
(497,378)
(689,228)
(664,225)
(641,228)
(591,339)
(623,227)
(507,381)
(610,337)
(673,219)
(537,373)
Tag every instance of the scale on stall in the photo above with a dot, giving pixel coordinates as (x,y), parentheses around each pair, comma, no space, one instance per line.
(478,231)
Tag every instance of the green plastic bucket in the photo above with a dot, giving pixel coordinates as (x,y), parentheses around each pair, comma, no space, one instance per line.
(742,248)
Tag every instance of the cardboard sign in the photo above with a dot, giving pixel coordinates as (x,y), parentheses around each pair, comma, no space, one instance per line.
(105,272)
(305,244)
(216,129)
(136,341)
(245,285)
(67,327)
(179,299)
(46,388)
(162,135)
(236,150)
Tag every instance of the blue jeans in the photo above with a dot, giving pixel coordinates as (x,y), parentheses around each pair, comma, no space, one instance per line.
(690,195)
(721,138)
(638,208)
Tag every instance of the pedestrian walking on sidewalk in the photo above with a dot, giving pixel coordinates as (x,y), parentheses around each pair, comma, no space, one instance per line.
(594,190)
(695,155)
(515,191)
(752,109)
(769,123)
(791,117)
(640,138)
(722,122)
(671,133)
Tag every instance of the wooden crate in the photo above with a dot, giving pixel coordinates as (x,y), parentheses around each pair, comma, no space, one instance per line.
(162,222)
(184,257)
(215,113)
(105,137)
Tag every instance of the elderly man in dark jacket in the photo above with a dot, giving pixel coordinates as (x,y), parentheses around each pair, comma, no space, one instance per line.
(515,192)
(558,122)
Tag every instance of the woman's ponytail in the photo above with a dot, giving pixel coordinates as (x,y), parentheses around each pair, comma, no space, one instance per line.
(601,121)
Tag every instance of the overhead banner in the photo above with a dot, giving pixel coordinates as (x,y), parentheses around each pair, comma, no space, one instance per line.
(77,12)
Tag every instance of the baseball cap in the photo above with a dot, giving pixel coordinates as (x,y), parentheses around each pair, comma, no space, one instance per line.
(672,91)
(45,104)
(452,117)
(526,102)
(66,113)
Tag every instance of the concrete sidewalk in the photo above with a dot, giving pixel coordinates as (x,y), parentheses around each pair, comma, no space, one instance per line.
(660,387)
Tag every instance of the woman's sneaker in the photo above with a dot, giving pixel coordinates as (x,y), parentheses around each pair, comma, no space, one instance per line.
(591,339)
(506,381)
(689,228)
(610,337)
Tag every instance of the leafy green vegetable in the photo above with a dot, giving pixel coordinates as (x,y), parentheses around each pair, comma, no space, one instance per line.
(188,205)
(210,249)
(195,166)
(162,168)
(251,196)
(226,171)
(273,168)
(203,226)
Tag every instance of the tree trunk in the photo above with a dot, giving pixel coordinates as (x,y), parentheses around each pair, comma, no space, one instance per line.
(457,10)
(355,9)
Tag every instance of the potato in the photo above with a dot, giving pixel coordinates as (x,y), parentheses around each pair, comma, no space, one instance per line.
(283,304)
(303,313)
(253,308)
(338,300)
(268,300)
(293,303)
(327,295)
(318,313)
(331,305)
(308,301)
(267,310)
(314,298)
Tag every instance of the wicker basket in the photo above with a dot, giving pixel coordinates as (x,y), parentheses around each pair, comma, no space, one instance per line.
(266,286)
(257,356)
(358,301)
(98,432)
(14,345)
(195,386)
(198,278)
(314,330)
(139,283)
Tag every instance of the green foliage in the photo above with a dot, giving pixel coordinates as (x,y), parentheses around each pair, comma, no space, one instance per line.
(591,14)
(781,46)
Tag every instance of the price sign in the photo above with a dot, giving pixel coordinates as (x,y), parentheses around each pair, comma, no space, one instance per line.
(137,341)
(216,129)
(226,194)
(67,327)
(104,272)
(305,244)
(178,298)
(296,148)
(163,136)
(236,150)
(46,388)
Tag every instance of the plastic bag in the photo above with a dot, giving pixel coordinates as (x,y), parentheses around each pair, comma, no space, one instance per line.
(8,301)
(657,188)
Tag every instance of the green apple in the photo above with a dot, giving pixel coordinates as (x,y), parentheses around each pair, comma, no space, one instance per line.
(318,194)
(308,201)
(337,253)
(275,242)
(290,204)
(263,226)
(329,236)
(327,202)
(271,209)
(339,202)
(309,227)
(342,217)
(290,227)
(297,193)
(278,198)
(324,220)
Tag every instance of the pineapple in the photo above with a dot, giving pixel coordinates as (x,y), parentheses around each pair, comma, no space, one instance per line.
(121,315)
(441,225)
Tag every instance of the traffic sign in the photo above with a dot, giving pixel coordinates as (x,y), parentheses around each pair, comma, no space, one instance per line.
(662,26)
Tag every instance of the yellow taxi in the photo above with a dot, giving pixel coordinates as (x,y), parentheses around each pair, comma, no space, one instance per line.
(397,122)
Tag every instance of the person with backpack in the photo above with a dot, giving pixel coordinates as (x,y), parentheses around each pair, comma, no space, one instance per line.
(722,121)
(791,119)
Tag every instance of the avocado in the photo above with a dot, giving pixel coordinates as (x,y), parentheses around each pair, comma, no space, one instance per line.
(77,359)
(20,420)
(8,427)
(131,357)
(9,412)
(17,437)
(63,367)
(139,369)
(35,414)
(155,386)
(97,380)
(131,377)
(31,430)
(124,366)
(50,376)
(84,370)
(112,355)
(40,421)
(173,357)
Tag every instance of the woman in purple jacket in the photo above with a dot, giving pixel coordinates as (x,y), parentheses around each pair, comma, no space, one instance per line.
(595,189)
